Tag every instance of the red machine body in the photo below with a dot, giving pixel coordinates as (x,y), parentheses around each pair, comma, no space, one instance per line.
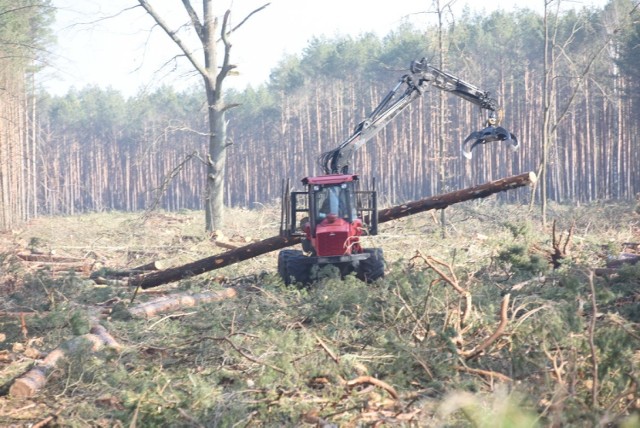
(335,228)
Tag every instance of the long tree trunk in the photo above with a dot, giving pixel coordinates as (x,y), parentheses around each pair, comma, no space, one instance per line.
(278,242)
(214,200)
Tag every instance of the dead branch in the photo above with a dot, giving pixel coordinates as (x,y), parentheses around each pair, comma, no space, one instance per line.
(504,319)
(246,18)
(360,380)
(632,391)
(324,346)
(435,265)
(486,373)
(160,191)
(558,365)
(250,358)
(46,421)
(606,271)
(419,330)
(451,279)
(179,301)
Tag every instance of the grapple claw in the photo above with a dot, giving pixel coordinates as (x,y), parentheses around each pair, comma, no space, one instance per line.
(489,134)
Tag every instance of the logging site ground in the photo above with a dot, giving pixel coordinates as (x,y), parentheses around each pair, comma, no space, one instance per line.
(491,320)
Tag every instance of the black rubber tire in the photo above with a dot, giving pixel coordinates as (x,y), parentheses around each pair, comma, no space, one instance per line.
(300,267)
(283,256)
(372,268)
(294,267)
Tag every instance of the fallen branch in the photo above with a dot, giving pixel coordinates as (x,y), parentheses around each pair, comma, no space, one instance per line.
(179,301)
(486,373)
(560,249)
(435,264)
(451,279)
(329,352)
(252,359)
(496,334)
(360,380)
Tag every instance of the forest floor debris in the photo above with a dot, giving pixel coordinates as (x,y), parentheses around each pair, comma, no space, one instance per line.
(474,327)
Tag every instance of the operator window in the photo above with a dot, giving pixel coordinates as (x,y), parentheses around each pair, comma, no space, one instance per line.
(334,200)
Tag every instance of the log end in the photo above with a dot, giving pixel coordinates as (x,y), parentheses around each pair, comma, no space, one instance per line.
(27,385)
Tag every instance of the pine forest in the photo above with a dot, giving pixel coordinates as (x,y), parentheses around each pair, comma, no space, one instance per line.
(569,79)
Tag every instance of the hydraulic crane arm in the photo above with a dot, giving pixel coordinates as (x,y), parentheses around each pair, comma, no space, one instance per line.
(421,76)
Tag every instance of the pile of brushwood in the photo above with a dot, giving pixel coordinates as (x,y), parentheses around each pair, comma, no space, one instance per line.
(501,322)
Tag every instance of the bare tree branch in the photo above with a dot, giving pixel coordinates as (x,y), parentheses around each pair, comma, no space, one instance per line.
(249,16)
(174,36)
(197,25)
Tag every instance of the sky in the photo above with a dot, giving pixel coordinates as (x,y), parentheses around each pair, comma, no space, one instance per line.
(113,43)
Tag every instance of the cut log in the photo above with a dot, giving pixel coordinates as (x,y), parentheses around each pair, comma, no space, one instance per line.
(179,301)
(218,261)
(447,199)
(35,379)
(275,243)
(101,332)
(623,259)
(155,265)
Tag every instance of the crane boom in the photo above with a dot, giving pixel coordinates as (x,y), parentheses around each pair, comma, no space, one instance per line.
(415,83)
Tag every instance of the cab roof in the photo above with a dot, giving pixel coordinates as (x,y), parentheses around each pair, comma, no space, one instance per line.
(330,179)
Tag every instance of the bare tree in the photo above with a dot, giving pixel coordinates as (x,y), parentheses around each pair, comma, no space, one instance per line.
(442,8)
(214,67)
(553,110)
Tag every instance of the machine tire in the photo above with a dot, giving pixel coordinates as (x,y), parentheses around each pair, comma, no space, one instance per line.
(372,268)
(299,267)
(294,267)
(283,256)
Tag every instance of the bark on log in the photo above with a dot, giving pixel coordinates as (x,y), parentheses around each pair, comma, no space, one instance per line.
(214,262)
(274,243)
(178,301)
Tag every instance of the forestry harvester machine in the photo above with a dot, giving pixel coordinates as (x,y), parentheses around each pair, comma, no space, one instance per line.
(332,213)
